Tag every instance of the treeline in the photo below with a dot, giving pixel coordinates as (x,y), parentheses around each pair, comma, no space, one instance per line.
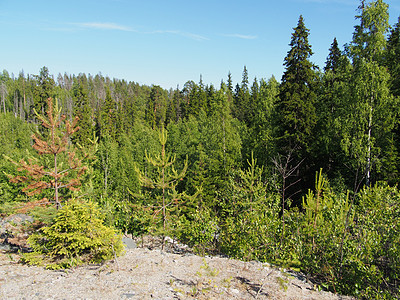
(252,155)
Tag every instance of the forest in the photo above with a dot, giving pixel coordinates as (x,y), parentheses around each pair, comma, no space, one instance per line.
(301,172)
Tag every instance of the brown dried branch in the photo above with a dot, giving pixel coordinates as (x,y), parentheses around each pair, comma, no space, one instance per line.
(57,143)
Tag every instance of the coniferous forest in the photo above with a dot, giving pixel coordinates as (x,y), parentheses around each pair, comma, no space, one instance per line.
(301,172)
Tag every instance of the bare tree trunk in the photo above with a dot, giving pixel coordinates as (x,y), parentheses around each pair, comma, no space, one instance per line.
(368,170)
(58,205)
(285,170)
(3,95)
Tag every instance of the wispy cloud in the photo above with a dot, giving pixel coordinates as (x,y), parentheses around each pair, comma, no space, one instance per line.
(114,26)
(105,26)
(189,35)
(241,36)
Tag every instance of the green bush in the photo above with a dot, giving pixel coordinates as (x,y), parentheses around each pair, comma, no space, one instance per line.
(76,236)
(199,231)
(352,247)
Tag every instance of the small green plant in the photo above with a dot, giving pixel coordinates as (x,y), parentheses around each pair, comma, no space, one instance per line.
(283,283)
(209,272)
(227,282)
(77,236)
(206,281)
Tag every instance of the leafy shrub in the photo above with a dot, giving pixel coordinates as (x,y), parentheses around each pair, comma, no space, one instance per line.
(376,257)
(353,248)
(250,221)
(200,231)
(77,235)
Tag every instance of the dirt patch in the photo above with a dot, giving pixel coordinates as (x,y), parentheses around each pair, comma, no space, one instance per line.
(155,274)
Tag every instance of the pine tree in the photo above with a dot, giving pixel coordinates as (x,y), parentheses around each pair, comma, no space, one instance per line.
(164,182)
(66,168)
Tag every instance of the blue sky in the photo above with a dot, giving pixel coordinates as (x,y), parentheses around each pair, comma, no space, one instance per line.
(168,42)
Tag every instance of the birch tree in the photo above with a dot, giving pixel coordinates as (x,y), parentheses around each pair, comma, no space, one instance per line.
(371,109)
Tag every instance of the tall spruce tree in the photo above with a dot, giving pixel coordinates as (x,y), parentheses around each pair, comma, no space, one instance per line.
(242,98)
(330,105)
(107,122)
(156,109)
(334,56)
(295,107)
(44,89)
(82,110)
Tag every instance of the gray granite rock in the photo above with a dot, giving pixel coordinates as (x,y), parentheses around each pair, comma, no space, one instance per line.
(129,243)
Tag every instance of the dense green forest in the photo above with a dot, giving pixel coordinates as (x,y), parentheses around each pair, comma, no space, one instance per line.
(300,172)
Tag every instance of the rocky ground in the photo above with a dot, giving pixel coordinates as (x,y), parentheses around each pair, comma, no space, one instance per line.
(155,274)
(147,272)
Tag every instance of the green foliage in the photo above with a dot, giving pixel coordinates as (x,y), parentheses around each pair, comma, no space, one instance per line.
(76,236)
(369,37)
(295,108)
(8,208)
(83,111)
(163,184)
(199,230)
(352,249)
(324,231)
(43,90)
(393,58)
(371,111)
(15,140)
(250,219)
(343,119)
(378,240)
(43,214)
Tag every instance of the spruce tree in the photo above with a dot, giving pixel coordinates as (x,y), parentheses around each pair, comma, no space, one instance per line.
(242,98)
(108,116)
(156,109)
(295,107)
(44,89)
(331,104)
(393,58)
(83,111)
(334,56)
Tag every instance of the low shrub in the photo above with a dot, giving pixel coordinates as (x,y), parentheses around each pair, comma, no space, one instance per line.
(76,236)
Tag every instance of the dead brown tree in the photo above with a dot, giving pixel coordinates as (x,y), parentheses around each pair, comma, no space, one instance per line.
(66,168)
